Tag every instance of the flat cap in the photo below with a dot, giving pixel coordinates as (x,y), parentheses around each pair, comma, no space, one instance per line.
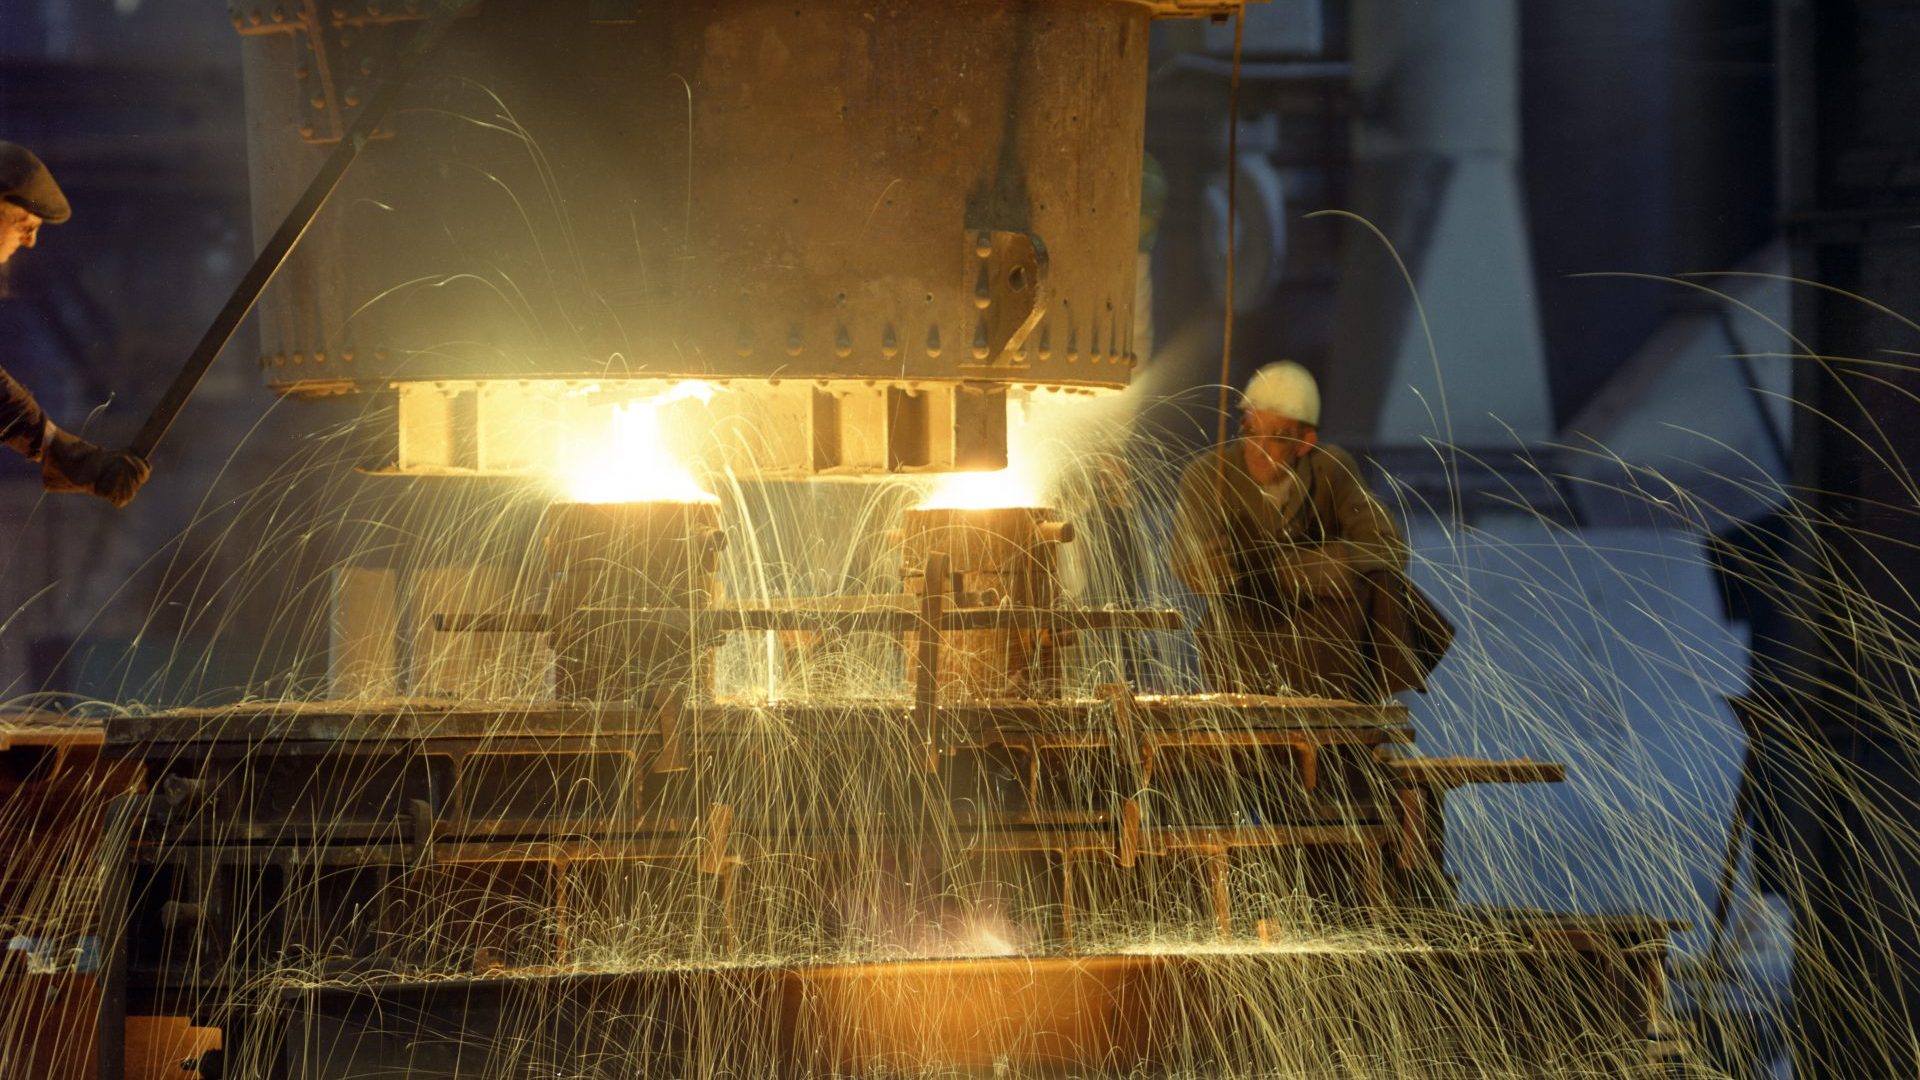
(25,182)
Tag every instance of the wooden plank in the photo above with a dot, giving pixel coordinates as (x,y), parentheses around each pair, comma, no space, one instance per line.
(1453,772)
(156,1045)
(48,729)
(49,1031)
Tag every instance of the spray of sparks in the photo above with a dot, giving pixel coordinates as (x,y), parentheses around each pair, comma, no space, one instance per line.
(788,889)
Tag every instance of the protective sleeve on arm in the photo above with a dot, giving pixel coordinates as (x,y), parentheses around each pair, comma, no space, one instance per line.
(23,425)
(1369,541)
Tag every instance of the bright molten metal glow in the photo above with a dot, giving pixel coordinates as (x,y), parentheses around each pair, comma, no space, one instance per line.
(1013,486)
(623,456)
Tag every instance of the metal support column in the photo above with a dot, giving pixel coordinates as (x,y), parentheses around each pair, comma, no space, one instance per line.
(1850,187)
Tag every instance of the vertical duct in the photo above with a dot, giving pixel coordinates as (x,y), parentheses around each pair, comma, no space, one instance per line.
(1436,146)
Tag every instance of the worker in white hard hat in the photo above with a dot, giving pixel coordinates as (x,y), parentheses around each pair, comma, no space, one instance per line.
(1302,569)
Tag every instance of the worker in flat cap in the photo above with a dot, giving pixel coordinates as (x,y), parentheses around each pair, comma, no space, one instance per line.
(1303,571)
(29,199)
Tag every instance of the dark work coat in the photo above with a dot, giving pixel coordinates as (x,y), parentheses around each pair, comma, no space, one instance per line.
(1307,597)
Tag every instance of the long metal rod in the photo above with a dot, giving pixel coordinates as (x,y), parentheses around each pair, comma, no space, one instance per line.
(1233,201)
(281,244)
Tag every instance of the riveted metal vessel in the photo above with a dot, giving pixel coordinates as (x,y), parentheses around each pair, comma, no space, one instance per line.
(841,189)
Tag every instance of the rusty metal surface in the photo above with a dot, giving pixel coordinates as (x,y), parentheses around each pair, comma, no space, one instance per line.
(500,825)
(1038,777)
(856,188)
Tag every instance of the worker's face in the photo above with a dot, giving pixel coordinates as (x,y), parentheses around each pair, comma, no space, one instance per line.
(19,228)
(1279,440)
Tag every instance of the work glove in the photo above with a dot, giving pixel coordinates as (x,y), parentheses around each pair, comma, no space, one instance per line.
(71,463)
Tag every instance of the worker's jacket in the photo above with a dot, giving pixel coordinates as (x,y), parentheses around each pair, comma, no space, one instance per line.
(22,425)
(1306,593)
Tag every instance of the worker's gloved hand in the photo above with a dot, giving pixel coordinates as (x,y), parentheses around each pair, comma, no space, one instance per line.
(71,463)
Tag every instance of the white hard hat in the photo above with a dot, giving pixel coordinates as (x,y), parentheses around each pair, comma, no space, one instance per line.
(1286,388)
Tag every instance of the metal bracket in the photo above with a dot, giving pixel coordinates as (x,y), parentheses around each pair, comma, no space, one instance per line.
(419,821)
(713,849)
(1129,750)
(1008,279)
